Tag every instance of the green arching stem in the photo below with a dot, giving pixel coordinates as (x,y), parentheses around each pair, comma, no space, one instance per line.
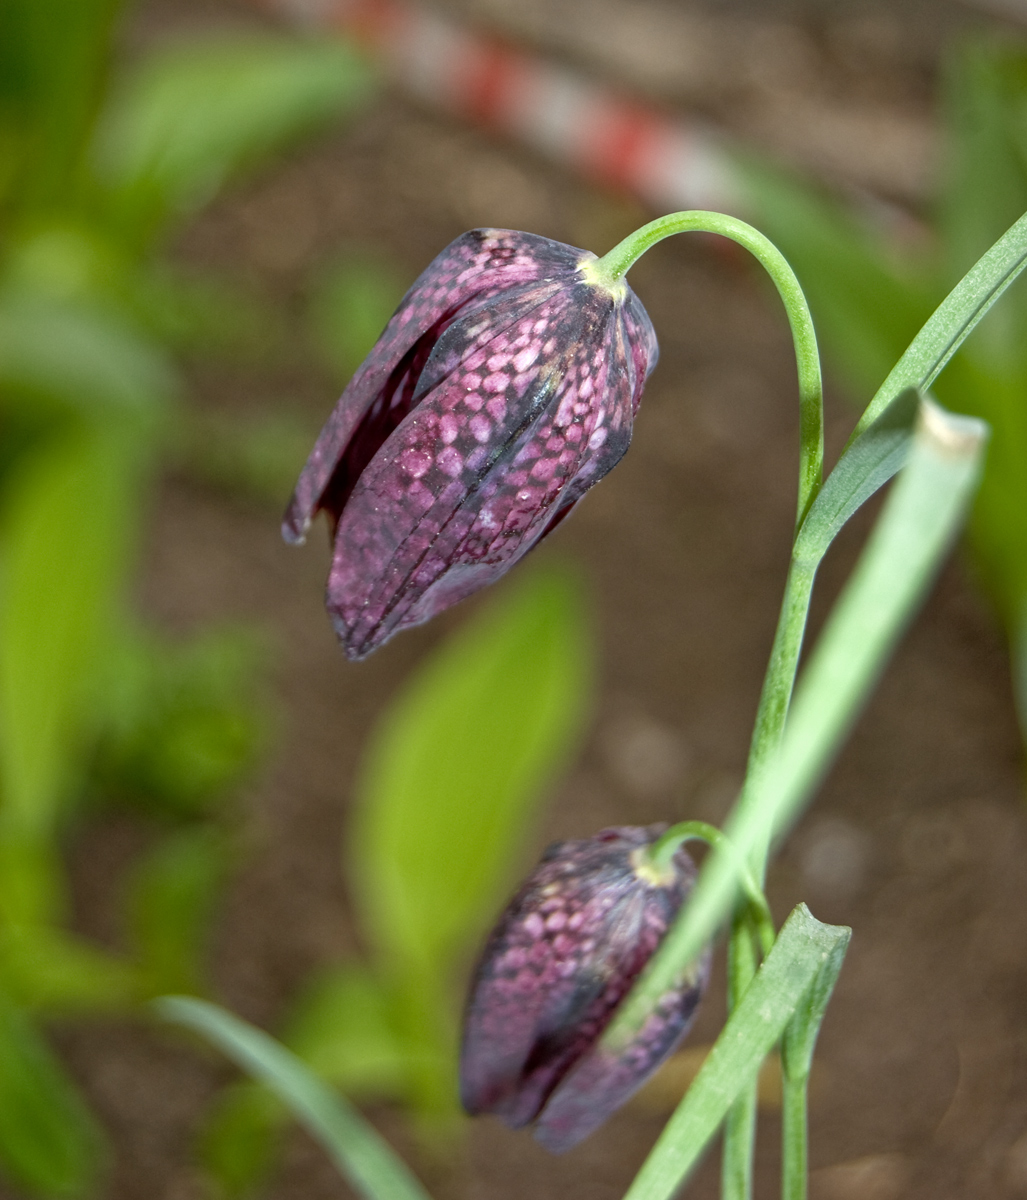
(663,850)
(611,268)
(779,681)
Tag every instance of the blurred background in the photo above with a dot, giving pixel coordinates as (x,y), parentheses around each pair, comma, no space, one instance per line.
(207,212)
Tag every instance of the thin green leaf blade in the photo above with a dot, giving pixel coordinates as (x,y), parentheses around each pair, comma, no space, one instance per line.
(868,463)
(193,116)
(356,1148)
(914,531)
(457,765)
(953,320)
(55,597)
(171,899)
(802,947)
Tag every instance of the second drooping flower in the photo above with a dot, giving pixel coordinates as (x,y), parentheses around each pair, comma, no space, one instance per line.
(502,389)
(562,958)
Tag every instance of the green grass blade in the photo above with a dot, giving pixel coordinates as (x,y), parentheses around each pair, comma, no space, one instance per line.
(797,1048)
(953,320)
(869,462)
(357,1149)
(914,531)
(790,970)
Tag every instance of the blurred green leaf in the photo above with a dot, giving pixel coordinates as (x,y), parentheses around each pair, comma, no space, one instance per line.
(170,903)
(365,1159)
(53,61)
(258,456)
(457,765)
(985,95)
(86,359)
(181,723)
(341,1027)
(49,1143)
(241,1138)
(67,525)
(193,115)
(204,314)
(52,972)
(350,306)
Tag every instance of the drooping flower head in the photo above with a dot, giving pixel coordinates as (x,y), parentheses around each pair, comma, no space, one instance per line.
(503,387)
(564,955)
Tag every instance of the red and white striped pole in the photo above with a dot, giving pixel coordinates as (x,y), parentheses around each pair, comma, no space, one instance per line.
(667,162)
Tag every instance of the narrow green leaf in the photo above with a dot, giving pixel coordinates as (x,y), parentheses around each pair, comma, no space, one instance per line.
(803,946)
(53,973)
(360,1153)
(458,764)
(341,1027)
(868,463)
(171,901)
(56,593)
(193,115)
(50,1146)
(953,320)
(241,1137)
(797,1045)
(82,359)
(915,529)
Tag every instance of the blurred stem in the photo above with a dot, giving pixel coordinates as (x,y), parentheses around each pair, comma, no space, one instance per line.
(611,268)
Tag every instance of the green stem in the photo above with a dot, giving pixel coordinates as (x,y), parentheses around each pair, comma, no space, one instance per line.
(612,266)
(740,1127)
(794,1163)
(663,850)
(776,694)
(736,1166)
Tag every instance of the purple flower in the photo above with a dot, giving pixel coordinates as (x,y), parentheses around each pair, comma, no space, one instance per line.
(565,953)
(503,388)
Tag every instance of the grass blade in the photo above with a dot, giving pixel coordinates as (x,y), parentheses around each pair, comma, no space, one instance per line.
(914,531)
(953,320)
(356,1148)
(790,970)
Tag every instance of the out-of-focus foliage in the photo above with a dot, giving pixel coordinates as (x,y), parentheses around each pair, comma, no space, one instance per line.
(351,302)
(94,164)
(870,293)
(451,779)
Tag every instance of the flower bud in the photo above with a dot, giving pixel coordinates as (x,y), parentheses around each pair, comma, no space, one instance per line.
(555,969)
(501,390)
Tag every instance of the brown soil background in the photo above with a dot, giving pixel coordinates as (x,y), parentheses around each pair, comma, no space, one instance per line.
(918,838)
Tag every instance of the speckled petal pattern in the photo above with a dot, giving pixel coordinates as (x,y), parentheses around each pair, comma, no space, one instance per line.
(502,389)
(565,953)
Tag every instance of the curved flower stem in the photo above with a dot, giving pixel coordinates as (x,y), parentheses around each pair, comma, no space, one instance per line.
(740,1128)
(612,267)
(665,847)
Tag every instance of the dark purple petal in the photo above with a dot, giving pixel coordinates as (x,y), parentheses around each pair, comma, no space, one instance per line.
(533,405)
(600,1082)
(565,953)
(476,266)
